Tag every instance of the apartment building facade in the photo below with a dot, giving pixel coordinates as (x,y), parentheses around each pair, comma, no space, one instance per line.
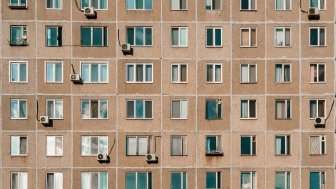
(220,94)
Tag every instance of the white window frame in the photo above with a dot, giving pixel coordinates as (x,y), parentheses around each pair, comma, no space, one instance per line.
(219,109)
(99,71)
(288,178)
(219,148)
(179,29)
(249,3)
(144,72)
(212,5)
(20,177)
(183,178)
(90,174)
(253,179)
(53,137)
(181,103)
(213,28)
(318,36)
(322,142)
(99,138)
(250,45)
(18,110)
(288,145)
(99,5)
(248,73)
(24,32)
(319,5)
(98,110)
(19,4)
(218,178)
(284,2)
(104,33)
(248,109)
(19,63)
(144,108)
(148,181)
(179,5)
(253,143)
(283,44)
(135,4)
(318,70)
(322,177)
(143,37)
(179,71)
(59,36)
(317,108)
(54,110)
(58,180)
(183,144)
(54,4)
(19,138)
(283,73)
(53,64)
(285,101)
(137,153)
(213,79)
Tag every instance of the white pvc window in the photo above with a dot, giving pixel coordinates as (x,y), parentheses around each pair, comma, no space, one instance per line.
(18,72)
(55,108)
(282,145)
(282,5)
(19,180)
(54,4)
(137,145)
(139,73)
(179,109)
(94,72)
(283,109)
(178,4)
(317,108)
(18,109)
(317,36)
(179,36)
(54,180)
(282,37)
(54,145)
(139,109)
(213,4)
(248,109)
(96,4)
(318,145)
(94,180)
(94,145)
(248,37)
(317,73)
(320,4)
(138,180)
(248,73)
(19,145)
(214,73)
(248,180)
(283,180)
(282,73)
(94,109)
(179,73)
(178,145)
(54,72)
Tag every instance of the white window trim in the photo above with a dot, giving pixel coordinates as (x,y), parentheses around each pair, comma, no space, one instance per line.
(137,144)
(212,9)
(46,34)
(98,63)
(54,136)
(10,74)
(284,36)
(19,175)
(171,5)
(318,36)
(134,101)
(144,35)
(46,178)
(249,9)
(325,72)
(213,28)
(214,73)
(248,108)
(45,71)
(61,5)
(290,104)
(135,9)
(284,3)
(286,145)
(286,178)
(250,38)
(179,36)
(19,4)
(253,139)
(219,147)
(91,33)
(179,73)
(184,139)
(27,147)
(283,73)
(148,173)
(322,138)
(99,175)
(251,173)
(218,176)
(171,105)
(99,137)
(54,103)
(144,72)
(319,5)
(325,104)
(107,3)
(107,110)
(12,118)
(249,72)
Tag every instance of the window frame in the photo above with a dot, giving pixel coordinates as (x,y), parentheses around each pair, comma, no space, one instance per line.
(21,41)
(137,153)
(144,72)
(285,101)
(179,2)
(253,179)
(99,138)
(149,179)
(19,4)
(319,5)
(19,63)
(219,145)
(104,34)
(248,73)
(287,176)
(253,145)
(288,146)
(322,178)
(212,6)
(90,5)
(11,145)
(218,180)
(58,38)
(283,73)
(181,108)
(99,64)
(20,174)
(317,108)
(318,36)
(248,109)
(249,5)
(91,175)
(99,101)
(219,109)
(213,65)
(18,100)
(53,63)
(184,145)
(138,9)
(179,70)
(55,153)
(183,179)
(318,71)
(179,29)
(143,37)
(213,28)
(134,109)
(322,145)
(54,109)
(53,5)
(250,45)
(283,28)
(284,5)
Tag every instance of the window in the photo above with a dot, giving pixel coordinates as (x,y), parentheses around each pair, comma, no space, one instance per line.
(178,4)
(282,73)
(317,180)
(138,180)
(248,109)
(317,145)
(54,72)
(178,180)
(214,73)
(213,5)
(54,4)
(18,72)
(283,109)
(179,37)
(94,109)
(94,180)
(248,73)
(178,145)
(282,4)
(139,4)
(213,37)
(54,146)
(179,73)
(54,180)
(18,35)
(93,36)
(317,108)
(213,109)
(317,73)
(139,73)
(248,145)
(317,36)
(213,180)
(17,3)
(320,4)
(19,145)
(94,72)
(53,36)
(139,109)
(248,5)
(282,37)
(140,36)
(248,37)
(96,4)
(94,145)
(137,145)
(179,109)
(283,180)
(213,145)
(248,180)
(19,180)
(282,145)
(18,109)
(55,108)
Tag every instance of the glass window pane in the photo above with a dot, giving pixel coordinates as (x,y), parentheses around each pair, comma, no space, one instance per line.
(183,73)
(15,145)
(130,73)
(130,180)
(313,36)
(176,109)
(176,181)
(94,109)
(142,145)
(210,180)
(59,73)
(244,4)
(148,73)
(94,72)
(139,109)
(314,180)
(85,72)
(183,36)
(209,37)
(142,181)
(103,108)
(148,4)
(139,4)
(23,109)
(85,36)
(139,72)
(85,108)
(23,72)
(130,35)
(139,36)
(148,109)
(97,37)
(175,36)
(148,36)
(130,4)
(245,145)
(218,37)
(130,109)
(103,72)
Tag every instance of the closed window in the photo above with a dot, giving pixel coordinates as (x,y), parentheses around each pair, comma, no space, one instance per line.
(282,73)
(317,73)
(179,73)
(248,73)
(94,72)
(248,5)
(19,180)
(139,4)
(138,180)
(283,109)
(140,36)
(178,145)
(179,109)
(282,4)
(320,4)
(93,36)
(137,145)
(19,145)
(18,109)
(179,36)
(283,180)
(214,73)
(96,4)
(213,144)
(94,145)
(213,180)
(18,35)
(248,180)
(55,108)
(317,180)
(139,109)
(54,4)
(282,37)
(94,180)
(18,3)
(248,37)
(317,36)
(248,109)
(54,180)
(53,36)
(178,180)
(213,109)
(91,109)
(213,37)
(248,145)
(178,4)
(212,4)
(54,146)
(282,145)
(54,72)
(317,145)
(18,72)
(317,108)
(139,73)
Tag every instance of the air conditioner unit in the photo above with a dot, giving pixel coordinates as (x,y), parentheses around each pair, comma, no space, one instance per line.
(126,48)
(313,13)
(75,78)
(44,119)
(151,158)
(319,122)
(102,157)
(89,11)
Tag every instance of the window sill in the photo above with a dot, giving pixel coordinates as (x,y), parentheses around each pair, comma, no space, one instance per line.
(139,118)
(18,45)
(283,119)
(279,46)
(317,154)
(139,82)
(22,155)
(211,83)
(173,118)
(248,47)
(283,10)
(248,118)
(179,82)
(182,155)
(94,118)
(282,155)
(213,119)
(318,82)
(50,82)
(19,118)
(248,155)
(93,46)
(283,82)
(54,155)
(18,7)
(248,82)
(182,10)
(214,153)
(19,82)
(248,10)
(211,47)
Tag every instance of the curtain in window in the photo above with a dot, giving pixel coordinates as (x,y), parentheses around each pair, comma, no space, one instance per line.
(85,180)
(103,109)
(14,108)
(139,109)
(209,73)
(139,72)
(131,145)
(50,72)
(313,108)
(103,72)
(278,145)
(58,109)
(175,109)
(210,180)
(143,145)
(85,108)
(130,109)
(177,145)
(148,109)
(245,38)
(57,3)
(183,73)
(103,180)
(313,73)
(320,108)
(287,73)
(208,4)
(86,145)
(278,73)
(184,108)
(252,108)
(23,72)
(253,36)
(246,180)
(210,37)
(218,69)
(102,149)
(244,109)
(94,109)
(58,180)
(321,73)
(50,181)
(59,145)
(95,3)
(183,36)
(279,36)
(14,72)
(211,144)
(279,5)
(94,180)
(252,74)
(15,181)
(15,145)
(23,145)
(322,4)
(280,109)
(148,36)
(211,109)
(130,72)
(322,36)
(94,145)
(175,4)
(174,72)
(315,180)
(94,72)
(23,109)
(315,145)
(85,72)
(23,181)
(244,75)
(148,72)
(139,36)
(50,110)
(287,36)
(51,143)
(130,180)
(218,37)
(16,33)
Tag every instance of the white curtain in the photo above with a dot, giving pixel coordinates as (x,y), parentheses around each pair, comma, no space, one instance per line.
(244,73)
(130,73)
(131,145)
(58,180)
(86,145)
(280,109)
(51,143)
(143,145)
(278,145)
(85,180)
(102,146)
(279,37)
(218,73)
(15,145)
(244,109)
(148,73)
(313,108)
(184,108)
(23,180)
(174,72)
(183,36)
(278,73)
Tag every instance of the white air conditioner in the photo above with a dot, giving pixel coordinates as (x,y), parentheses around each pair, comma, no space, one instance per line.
(89,11)
(75,78)
(151,158)
(44,119)
(126,47)
(319,121)
(102,157)
(313,13)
